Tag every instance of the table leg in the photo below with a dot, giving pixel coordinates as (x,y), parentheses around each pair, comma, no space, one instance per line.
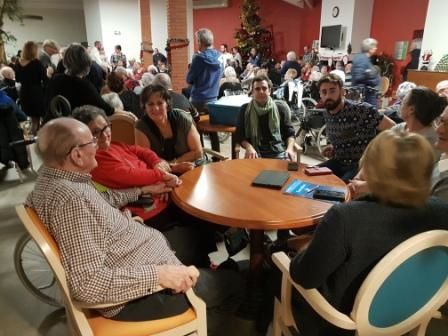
(233,144)
(256,251)
(214,139)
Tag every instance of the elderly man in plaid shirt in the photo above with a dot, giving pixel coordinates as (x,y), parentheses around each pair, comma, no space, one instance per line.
(106,254)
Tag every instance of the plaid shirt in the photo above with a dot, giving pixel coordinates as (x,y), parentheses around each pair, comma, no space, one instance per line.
(107,256)
(116,58)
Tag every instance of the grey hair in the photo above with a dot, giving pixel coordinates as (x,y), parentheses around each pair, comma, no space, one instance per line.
(162,79)
(229,72)
(76,60)
(205,37)
(113,99)
(291,56)
(51,44)
(147,79)
(368,44)
(88,113)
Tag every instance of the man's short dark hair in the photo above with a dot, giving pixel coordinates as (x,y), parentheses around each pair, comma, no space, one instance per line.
(118,47)
(330,78)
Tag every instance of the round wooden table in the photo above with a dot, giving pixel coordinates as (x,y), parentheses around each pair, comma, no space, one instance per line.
(222,193)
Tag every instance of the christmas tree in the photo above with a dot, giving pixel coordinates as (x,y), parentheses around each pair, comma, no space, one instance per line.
(252,34)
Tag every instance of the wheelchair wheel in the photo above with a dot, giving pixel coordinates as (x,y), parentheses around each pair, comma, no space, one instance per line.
(35,273)
(321,139)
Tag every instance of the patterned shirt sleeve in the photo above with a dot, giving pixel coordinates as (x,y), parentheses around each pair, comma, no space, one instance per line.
(120,198)
(89,276)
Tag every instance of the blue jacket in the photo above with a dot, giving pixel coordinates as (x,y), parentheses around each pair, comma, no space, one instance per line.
(204,75)
(5,100)
(363,72)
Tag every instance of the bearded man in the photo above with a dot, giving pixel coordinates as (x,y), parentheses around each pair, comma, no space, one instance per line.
(350,127)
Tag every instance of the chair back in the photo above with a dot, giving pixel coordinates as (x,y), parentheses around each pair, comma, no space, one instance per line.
(406,288)
(123,127)
(384,85)
(60,107)
(49,248)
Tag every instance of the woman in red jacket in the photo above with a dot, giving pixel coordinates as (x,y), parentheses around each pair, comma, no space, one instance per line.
(122,166)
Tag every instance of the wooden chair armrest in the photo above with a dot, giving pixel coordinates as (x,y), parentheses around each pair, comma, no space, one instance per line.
(215,154)
(86,305)
(314,297)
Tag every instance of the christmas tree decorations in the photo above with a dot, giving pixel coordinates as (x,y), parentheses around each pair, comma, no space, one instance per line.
(252,34)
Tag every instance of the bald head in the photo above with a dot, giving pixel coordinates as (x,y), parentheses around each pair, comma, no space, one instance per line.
(162,79)
(57,138)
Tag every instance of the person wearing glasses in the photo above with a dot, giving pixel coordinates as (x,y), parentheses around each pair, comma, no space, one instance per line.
(121,166)
(440,175)
(264,128)
(107,255)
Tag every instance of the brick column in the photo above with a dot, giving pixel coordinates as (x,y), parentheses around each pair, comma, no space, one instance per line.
(177,28)
(145,19)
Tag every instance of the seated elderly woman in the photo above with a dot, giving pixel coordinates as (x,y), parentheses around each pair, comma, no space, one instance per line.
(353,237)
(264,128)
(168,131)
(121,166)
(229,83)
(130,99)
(73,85)
(393,111)
(420,107)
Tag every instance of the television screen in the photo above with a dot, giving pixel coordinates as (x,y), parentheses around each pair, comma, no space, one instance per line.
(331,37)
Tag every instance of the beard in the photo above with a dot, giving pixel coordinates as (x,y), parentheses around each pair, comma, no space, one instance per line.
(331,104)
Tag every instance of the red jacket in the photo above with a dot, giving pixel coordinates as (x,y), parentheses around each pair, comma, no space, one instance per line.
(123,166)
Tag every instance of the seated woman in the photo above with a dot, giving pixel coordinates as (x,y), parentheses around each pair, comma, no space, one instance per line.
(420,107)
(393,111)
(353,237)
(122,166)
(264,128)
(73,85)
(130,99)
(169,132)
(229,83)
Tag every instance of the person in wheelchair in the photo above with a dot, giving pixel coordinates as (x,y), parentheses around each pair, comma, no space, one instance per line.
(352,237)
(107,255)
(350,127)
(264,128)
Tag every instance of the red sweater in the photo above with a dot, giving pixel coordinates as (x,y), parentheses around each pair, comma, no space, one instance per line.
(123,166)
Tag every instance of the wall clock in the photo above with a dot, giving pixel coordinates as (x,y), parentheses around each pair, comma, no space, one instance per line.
(335,11)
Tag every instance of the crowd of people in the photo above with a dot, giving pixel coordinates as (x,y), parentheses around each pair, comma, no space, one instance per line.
(394,162)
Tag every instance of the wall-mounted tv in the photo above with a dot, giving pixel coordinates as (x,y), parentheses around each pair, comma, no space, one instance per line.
(331,37)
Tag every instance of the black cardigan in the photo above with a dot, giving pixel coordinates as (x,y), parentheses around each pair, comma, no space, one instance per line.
(350,240)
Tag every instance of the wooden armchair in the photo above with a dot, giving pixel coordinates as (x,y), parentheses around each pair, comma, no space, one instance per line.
(123,127)
(82,318)
(402,293)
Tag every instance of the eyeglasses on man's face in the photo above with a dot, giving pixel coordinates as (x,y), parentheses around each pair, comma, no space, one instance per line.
(441,121)
(99,132)
(93,142)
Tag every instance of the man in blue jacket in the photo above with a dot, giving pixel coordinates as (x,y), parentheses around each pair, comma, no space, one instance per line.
(204,75)
(363,72)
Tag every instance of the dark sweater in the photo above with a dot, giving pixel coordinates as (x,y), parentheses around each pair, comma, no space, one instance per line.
(78,91)
(268,142)
(347,244)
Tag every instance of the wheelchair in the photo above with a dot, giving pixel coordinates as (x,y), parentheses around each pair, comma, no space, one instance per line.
(312,131)
(35,273)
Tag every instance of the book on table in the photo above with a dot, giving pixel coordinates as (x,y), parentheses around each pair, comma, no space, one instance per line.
(315,191)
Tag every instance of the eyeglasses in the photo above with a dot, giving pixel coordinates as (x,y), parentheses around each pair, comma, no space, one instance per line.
(441,121)
(93,142)
(98,133)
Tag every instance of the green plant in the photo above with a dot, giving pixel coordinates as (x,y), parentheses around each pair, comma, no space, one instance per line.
(13,11)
